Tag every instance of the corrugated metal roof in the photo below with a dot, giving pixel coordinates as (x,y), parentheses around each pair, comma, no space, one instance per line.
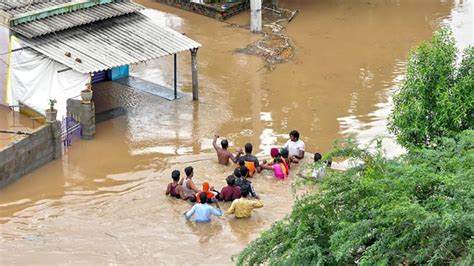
(14,7)
(77,18)
(111,43)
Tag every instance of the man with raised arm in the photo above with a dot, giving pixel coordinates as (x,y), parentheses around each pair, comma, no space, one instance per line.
(223,155)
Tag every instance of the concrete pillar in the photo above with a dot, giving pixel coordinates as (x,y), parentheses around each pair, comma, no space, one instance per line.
(84,113)
(256,15)
(194,70)
(87,114)
(175,76)
(56,140)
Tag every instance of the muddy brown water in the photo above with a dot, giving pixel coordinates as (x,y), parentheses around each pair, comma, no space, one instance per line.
(104,202)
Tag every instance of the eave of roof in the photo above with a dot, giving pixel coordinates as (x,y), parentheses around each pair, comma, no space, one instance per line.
(73,19)
(111,43)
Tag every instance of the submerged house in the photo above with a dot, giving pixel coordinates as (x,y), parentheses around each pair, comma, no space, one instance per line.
(55,48)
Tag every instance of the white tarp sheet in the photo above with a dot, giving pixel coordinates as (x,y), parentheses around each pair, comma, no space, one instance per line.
(4,46)
(34,79)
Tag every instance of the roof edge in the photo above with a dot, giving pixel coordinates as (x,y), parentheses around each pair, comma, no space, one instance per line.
(55,10)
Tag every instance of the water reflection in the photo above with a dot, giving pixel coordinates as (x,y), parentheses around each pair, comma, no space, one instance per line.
(366,127)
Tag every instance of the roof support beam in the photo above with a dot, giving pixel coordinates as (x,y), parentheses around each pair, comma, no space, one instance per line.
(175,76)
(194,74)
(55,10)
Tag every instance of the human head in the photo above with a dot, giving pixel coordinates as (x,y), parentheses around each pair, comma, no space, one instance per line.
(278,160)
(205,186)
(244,171)
(248,148)
(230,180)
(328,163)
(175,175)
(317,157)
(189,171)
(203,197)
(224,144)
(284,153)
(237,172)
(241,162)
(294,135)
(274,152)
(244,193)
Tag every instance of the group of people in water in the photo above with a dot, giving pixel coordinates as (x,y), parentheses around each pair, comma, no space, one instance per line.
(239,189)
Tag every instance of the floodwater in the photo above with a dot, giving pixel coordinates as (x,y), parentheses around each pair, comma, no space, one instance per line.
(104,201)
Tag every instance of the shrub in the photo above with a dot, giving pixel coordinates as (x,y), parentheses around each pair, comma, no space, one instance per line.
(415,209)
(436,99)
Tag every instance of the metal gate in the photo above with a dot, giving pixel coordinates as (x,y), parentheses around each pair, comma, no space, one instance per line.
(70,131)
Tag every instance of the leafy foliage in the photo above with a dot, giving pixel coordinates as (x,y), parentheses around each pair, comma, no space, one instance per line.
(436,98)
(416,209)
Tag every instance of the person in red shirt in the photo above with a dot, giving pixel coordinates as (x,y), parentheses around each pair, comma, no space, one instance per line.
(231,191)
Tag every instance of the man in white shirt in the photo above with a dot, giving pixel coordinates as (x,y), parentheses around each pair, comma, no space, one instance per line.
(295,147)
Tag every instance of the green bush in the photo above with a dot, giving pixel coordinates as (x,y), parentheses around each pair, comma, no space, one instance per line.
(416,209)
(436,98)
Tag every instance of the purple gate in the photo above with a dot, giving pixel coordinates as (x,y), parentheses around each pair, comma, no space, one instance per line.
(70,131)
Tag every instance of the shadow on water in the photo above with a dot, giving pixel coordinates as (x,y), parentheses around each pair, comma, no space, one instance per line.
(110,114)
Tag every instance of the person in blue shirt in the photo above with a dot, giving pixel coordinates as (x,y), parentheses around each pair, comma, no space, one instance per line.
(202,211)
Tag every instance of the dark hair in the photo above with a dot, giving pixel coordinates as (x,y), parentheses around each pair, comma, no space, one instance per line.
(237,172)
(244,193)
(248,148)
(189,171)
(224,144)
(278,159)
(284,153)
(328,163)
(203,197)
(241,162)
(230,180)
(244,171)
(175,175)
(317,157)
(295,134)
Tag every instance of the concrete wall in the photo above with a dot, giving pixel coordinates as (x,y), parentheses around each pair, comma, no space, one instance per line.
(29,153)
(208,10)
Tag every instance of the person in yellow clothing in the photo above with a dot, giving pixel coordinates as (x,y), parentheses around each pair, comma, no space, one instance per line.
(242,208)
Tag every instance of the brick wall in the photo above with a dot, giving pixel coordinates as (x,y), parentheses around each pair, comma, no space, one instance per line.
(29,153)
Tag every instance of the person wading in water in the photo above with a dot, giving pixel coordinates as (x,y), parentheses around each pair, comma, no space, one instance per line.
(223,155)
(189,188)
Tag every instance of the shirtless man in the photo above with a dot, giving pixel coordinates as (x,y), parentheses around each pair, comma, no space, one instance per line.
(223,155)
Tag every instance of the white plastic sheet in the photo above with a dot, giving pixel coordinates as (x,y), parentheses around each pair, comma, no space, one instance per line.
(34,80)
(4,46)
